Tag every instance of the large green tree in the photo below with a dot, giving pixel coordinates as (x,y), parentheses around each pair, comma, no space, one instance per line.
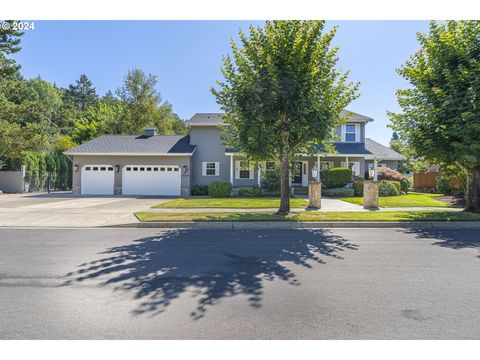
(144,106)
(282,94)
(82,93)
(440,118)
(9,44)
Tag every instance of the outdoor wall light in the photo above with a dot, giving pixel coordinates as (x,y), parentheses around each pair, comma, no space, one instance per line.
(371,172)
(117,168)
(75,167)
(185,169)
(314,172)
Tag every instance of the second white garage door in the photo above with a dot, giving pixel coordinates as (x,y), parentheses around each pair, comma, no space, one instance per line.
(151,180)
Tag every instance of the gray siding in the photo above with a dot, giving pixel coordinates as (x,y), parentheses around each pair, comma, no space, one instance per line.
(209,148)
(122,161)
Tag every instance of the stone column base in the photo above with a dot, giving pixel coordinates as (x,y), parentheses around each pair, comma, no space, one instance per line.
(314,194)
(370,194)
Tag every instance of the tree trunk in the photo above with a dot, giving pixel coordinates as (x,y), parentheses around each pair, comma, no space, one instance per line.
(472,195)
(284,186)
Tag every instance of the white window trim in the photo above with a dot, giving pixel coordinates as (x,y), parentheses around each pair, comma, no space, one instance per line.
(357,133)
(204,168)
(237,171)
(357,166)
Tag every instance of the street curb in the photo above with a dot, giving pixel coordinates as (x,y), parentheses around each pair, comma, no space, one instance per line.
(305,224)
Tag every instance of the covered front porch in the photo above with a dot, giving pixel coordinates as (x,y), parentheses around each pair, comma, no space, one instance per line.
(245,174)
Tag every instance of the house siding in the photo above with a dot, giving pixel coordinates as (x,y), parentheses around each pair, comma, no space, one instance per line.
(122,161)
(210,148)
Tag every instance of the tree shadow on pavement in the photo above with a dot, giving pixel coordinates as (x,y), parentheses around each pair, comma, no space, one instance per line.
(209,264)
(449,238)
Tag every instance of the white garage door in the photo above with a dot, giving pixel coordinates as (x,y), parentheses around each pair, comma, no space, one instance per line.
(151,180)
(97,180)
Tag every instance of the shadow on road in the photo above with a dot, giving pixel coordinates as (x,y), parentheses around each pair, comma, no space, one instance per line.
(449,238)
(210,264)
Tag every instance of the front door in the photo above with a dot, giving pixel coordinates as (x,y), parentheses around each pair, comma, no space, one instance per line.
(297,173)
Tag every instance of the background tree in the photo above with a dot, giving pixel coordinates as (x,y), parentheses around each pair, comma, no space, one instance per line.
(440,117)
(144,106)
(282,94)
(82,93)
(9,44)
(411,163)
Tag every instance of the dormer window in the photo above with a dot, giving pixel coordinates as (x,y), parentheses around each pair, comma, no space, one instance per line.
(351,133)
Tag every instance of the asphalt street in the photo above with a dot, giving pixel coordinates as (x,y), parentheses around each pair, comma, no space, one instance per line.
(239,284)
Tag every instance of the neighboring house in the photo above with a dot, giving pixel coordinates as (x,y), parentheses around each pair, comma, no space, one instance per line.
(152,164)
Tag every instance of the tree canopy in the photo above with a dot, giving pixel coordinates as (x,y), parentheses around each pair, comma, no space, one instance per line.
(440,118)
(39,120)
(282,93)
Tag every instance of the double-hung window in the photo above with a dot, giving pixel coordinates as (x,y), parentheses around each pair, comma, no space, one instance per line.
(270,165)
(351,133)
(210,168)
(243,169)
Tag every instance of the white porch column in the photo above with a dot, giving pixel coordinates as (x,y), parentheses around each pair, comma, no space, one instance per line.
(231,169)
(259,180)
(375,172)
(318,168)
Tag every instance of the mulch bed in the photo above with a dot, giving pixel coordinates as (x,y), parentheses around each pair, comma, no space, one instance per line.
(451,200)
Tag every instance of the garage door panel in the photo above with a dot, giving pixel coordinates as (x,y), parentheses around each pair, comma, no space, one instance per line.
(97,180)
(151,180)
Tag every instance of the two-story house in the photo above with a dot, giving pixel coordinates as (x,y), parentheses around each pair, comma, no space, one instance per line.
(168,165)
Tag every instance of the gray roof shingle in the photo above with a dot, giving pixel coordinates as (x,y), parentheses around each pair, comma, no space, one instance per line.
(215,119)
(368,149)
(135,144)
(382,151)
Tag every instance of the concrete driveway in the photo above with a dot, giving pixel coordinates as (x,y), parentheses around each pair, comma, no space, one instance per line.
(67,210)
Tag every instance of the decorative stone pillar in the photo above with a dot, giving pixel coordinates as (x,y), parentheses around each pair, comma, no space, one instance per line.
(314,194)
(370,194)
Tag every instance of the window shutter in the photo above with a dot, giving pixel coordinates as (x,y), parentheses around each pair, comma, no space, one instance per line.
(357,132)
(252,172)
(237,169)
(204,168)
(217,169)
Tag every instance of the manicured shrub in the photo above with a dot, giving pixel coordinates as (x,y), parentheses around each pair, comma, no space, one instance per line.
(358,187)
(271,181)
(385,173)
(404,185)
(397,185)
(198,189)
(336,177)
(387,188)
(250,192)
(338,192)
(219,189)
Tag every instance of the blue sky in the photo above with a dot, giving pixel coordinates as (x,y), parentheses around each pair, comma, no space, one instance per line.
(186,57)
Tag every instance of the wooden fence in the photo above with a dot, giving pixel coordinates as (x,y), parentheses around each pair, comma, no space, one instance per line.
(427,180)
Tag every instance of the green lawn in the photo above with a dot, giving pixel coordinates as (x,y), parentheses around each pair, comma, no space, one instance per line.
(311,216)
(232,203)
(411,199)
